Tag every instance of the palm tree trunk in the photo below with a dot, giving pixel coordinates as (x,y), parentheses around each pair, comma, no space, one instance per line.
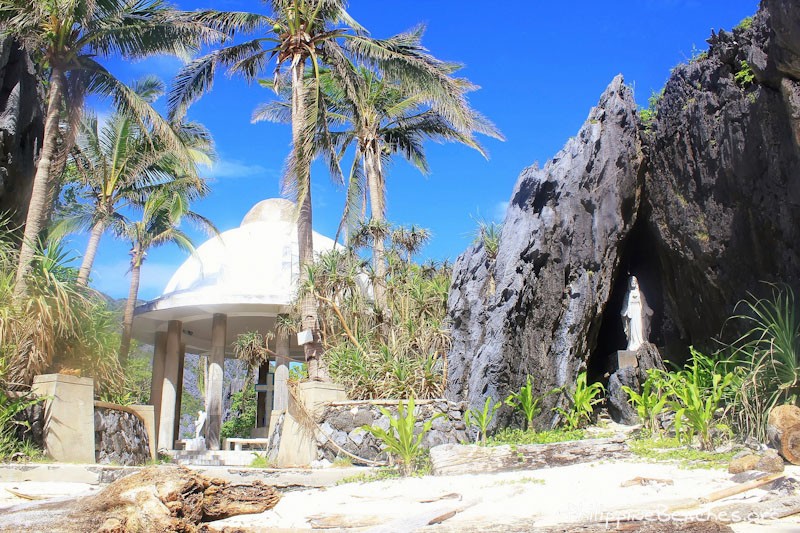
(308,304)
(91,252)
(377,200)
(38,208)
(130,305)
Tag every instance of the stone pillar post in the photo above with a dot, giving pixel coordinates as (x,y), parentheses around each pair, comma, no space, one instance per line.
(179,392)
(216,366)
(261,397)
(281,393)
(157,381)
(169,390)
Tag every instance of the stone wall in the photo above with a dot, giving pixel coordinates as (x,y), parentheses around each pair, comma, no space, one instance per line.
(120,437)
(340,422)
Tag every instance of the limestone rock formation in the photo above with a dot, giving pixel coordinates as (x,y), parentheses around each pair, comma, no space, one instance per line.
(21,128)
(723,187)
(702,204)
(536,308)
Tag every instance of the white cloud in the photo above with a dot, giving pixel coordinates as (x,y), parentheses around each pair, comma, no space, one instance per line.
(232,168)
(499,211)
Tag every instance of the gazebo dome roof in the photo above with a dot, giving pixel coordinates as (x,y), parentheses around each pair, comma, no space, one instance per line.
(247,272)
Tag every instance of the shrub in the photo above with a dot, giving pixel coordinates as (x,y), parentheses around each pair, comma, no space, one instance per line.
(397,351)
(651,401)
(243,404)
(745,24)
(399,440)
(767,359)
(695,401)
(481,419)
(582,400)
(526,402)
(10,408)
(744,76)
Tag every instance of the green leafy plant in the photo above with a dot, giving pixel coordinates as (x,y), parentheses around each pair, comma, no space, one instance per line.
(695,401)
(400,441)
(526,402)
(744,76)
(651,401)
(516,436)
(488,234)
(766,358)
(243,404)
(10,408)
(745,24)
(481,419)
(582,400)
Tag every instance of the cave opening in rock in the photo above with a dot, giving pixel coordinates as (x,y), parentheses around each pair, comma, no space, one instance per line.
(638,257)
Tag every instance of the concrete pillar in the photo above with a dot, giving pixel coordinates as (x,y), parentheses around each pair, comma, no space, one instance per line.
(280,400)
(216,366)
(179,392)
(157,381)
(169,390)
(261,397)
(68,417)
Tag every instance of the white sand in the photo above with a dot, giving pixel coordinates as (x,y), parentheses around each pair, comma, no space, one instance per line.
(579,493)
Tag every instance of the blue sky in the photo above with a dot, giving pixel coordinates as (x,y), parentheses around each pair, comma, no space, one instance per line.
(541,67)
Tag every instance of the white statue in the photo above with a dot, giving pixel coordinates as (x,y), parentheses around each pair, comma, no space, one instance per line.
(199,424)
(635,316)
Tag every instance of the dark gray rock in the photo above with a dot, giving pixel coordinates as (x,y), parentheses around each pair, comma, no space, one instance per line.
(722,192)
(619,408)
(21,128)
(538,308)
(702,205)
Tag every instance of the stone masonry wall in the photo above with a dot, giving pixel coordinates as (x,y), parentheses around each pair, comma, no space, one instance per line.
(120,438)
(340,422)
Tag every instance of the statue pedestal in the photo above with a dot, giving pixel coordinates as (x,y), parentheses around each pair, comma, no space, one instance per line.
(627,358)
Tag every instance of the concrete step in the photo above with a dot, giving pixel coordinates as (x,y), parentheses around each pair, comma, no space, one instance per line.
(213,458)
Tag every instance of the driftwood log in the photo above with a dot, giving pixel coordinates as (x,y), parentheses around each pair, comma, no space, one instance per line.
(783,431)
(452,459)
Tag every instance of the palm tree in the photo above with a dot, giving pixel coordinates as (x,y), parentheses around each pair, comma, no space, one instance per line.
(159,224)
(116,165)
(70,36)
(309,34)
(383,117)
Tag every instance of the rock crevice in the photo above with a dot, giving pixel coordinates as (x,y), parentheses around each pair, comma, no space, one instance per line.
(701,203)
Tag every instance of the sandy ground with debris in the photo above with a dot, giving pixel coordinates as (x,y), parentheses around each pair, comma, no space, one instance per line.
(513,501)
(593,492)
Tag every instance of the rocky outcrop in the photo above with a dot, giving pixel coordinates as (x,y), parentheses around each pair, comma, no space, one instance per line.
(21,128)
(723,188)
(537,308)
(701,203)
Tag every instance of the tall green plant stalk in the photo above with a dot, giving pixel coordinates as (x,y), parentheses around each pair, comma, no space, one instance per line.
(582,401)
(400,440)
(526,402)
(481,420)
(652,400)
(695,401)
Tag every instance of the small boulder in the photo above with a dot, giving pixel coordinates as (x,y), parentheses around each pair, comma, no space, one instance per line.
(743,463)
(770,462)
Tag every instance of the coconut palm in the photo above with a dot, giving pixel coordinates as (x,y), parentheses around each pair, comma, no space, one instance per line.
(386,119)
(116,165)
(382,117)
(71,37)
(308,35)
(159,224)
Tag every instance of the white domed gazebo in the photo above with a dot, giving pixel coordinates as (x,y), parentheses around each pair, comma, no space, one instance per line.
(238,281)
